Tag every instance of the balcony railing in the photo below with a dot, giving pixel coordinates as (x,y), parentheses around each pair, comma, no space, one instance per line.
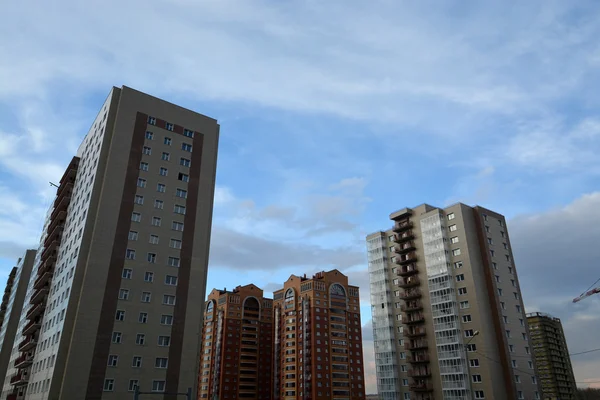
(420,387)
(418,358)
(405,247)
(415,332)
(19,379)
(413,318)
(31,327)
(404,236)
(406,259)
(407,270)
(410,294)
(27,344)
(23,361)
(41,280)
(402,226)
(39,295)
(416,344)
(410,281)
(414,305)
(419,373)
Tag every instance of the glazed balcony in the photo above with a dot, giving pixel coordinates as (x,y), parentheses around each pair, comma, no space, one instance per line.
(418,358)
(39,295)
(35,311)
(27,344)
(410,294)
(409,282)
(19,379)
(407,270)
(42,280)
(421,387)
(406,258)
(402,226)
(23,361)
(416,344)
(419,373)
(404,247)
(415,332)
(32,326)
(414,305)
(404,236)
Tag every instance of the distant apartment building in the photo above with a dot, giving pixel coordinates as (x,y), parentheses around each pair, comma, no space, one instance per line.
(552,357)
(318,340)
(117,288)
(237,347)
(10,310)
(448,318)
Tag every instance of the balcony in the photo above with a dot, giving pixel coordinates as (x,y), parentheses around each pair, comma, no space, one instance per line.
(414,305)
(402,226)
(36,310)
(407,270)
(421,387)
(31,327)
(23,361)
(19,379)
(49,249)
(403,237)
(406,259)
(55,234)
(404,248)
(410,294)
(416,344)
(415,332)
(413,318)
(408,282)
(61,204)
(27,343)
(418,358)
(47,266)
(59,219)
(419,373)
(41,280)
(39,295)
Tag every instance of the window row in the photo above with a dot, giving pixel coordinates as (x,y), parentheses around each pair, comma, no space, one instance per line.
(165,319)
(147,150)
(159,362)
(140,339)
(152,258)
(162,188)
(157,386)
(149,277)
(156,221)
(146,297)
(184,162)
(169,126)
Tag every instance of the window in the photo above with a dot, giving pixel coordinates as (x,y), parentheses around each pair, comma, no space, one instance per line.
(460,277)
(479,394)
(518,307)
(173,262)
(159,204)
(462,290)
(163,171)
(507,257)
(143,318)
(176,244)
(133,384)
(474,362)
(466,318)
(158,386)
(526,349)
(109,385)
(130,254)
(499,291)
(454,239)
(510,271)
(458,264)
(165,156)
(530,364)
(160,362)
(489,239)
(147,150)
(520,395)
(168,126)
(188,133)
(469,333)
(505,318)
(149,135)
(156,221)
(495,266)
(184,177)
(113,360)
(170,280)
(497,277)
(518,378)
(149,276)
(140,339)
(151,120)
(511,348)
(161,188)
(127,273)
(451,216)
(179,209)
(503,305)
(181,193)
(516,295)
(476,378)
(166,319)
(185,162)
(186,147)
(492,253)
(464,304)
(521,322)
(146,297)
(524,335)
(120,315)
(167,141)
(116,337)
(505,246)
(177,226)
(136,217)
(471,347)
(123,294)
(164,341)
(452,228)
(144,166)
(154,239)
(139,199)
(136,362)
(508,333)
(151,258)
(533,380)
(169,299)
(487,229)
(456,252)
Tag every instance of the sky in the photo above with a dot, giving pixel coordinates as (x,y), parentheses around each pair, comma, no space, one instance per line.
(333,115)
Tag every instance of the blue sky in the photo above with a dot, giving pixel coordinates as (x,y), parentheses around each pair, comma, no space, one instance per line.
(334,114)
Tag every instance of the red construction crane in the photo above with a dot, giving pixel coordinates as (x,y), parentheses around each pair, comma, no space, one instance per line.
(588,292)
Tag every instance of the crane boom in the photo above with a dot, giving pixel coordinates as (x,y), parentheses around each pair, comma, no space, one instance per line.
(586,294)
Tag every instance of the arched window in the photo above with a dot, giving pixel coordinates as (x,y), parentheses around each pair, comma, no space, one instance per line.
(337,290)
(209,310)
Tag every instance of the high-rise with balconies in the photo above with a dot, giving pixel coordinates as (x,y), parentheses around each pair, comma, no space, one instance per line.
(237,347)
(551,355)
(116,294)
(318,341)
(448,318)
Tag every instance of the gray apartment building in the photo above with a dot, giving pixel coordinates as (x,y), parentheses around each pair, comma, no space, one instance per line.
(116,294)
(10,310)
(448,318)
